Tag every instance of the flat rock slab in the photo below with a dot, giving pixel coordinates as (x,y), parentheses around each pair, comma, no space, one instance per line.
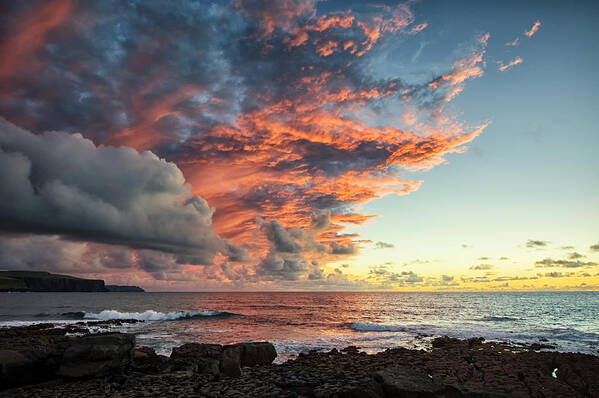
(405,381)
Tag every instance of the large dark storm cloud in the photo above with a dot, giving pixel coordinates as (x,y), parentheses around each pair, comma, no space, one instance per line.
(58,183)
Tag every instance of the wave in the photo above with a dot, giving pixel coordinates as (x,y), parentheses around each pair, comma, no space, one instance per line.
(151,315)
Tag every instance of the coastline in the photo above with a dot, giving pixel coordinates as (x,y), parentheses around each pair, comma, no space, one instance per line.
(80,363)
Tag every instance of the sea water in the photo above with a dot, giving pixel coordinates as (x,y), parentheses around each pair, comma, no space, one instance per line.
(298,322)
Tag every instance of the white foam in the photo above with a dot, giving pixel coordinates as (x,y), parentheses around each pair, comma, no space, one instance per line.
(151,315)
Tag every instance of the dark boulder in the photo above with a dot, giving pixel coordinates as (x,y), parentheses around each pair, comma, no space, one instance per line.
(145,360)
(197,358)
(216,359)
(33,358)
(253,354)
(15,368)
(97,355)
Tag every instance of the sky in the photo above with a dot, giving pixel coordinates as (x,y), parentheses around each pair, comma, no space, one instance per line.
(302,145)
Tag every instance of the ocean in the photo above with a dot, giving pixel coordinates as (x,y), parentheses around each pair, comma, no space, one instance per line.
(299,322)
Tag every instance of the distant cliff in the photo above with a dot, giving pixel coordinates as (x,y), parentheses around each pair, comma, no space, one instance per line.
(31,281)
(34,281)
(117,288)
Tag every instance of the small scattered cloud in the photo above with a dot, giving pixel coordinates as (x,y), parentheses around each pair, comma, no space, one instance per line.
(575,256)
(594,248)
(514,278)
(343,249)
(481,267)
(384,245)
(504,258)
(550,263)
(465,246)
(509,65)
(534,29)
(567,248)
(556,274)
(382,274)
(416,262)
(536,243)
(483,258)
(513,43)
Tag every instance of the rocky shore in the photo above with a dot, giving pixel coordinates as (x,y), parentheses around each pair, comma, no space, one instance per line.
(44,361)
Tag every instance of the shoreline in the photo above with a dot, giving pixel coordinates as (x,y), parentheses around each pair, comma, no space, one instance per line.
(112,365)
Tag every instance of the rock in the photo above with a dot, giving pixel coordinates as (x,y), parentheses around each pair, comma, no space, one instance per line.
(442,341)
(73,315)
(124,289)
(29,359)
(352,349)
(407,381)
(230,363)
(42,329)
(145,360)
(216,359)
(14,368)
(540,346)
(252,354)
(461,368)
(197,358)
(97,355)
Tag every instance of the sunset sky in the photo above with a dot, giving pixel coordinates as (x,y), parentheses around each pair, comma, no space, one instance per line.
(302,145)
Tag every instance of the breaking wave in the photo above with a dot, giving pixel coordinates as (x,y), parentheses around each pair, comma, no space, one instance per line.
(151,315)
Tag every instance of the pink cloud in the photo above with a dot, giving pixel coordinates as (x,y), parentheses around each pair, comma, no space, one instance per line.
(535,27)
(511,64)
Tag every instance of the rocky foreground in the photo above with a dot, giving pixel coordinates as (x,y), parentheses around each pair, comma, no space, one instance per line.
(42,361)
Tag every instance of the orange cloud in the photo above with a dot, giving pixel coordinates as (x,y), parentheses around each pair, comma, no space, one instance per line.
(265,164)
(394,19)
(463,69)
(511,64)
(282,14)
(534,29)
(144,134)
(327,48)
(302,134)
(31,34)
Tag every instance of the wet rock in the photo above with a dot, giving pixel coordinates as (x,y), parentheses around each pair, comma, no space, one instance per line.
(145,360)
(29,359)
(540,346)
(406,381)
(253,354)
(216,359)
(41,329)
(352,349)
(14,368)
(230,362)
(74,315)
(459,368)
(97,355)
(197,358)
